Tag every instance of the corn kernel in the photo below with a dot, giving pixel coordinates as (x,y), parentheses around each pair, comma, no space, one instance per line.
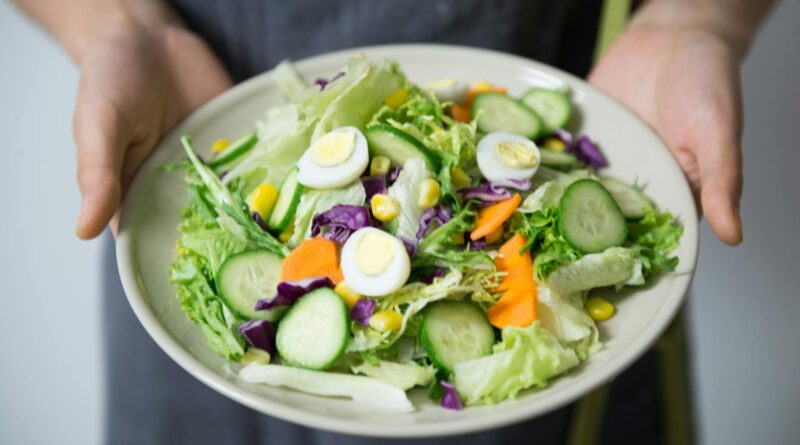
(429,192)
(494,235)
(482,86)
(384,207)
(555,144)
(599,309)
(458,238)
(287,232)
(219,145)
(386,320)
(255,355)
(181,250)
(460,178)
(347,293)
(379,165)
(398,98)
(263,199)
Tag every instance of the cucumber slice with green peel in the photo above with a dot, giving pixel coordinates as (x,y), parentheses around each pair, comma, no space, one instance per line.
(247,277)
(589,217)
(235,151)
(553,107)
(453,332)
(398,146)
(314,332)
(559,160)
(631,200)
(286,205)
(499,112)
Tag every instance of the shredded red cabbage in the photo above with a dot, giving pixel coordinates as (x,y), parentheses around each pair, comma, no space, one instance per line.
(437,273)
(394,172)
(260,221)
(340,222)
(584,149)
(374,185)
(436,214)
(259,333)
(450,399)
(322,83)
(362,311)
(478,244)
(290,291)
(516,184)
(489,192)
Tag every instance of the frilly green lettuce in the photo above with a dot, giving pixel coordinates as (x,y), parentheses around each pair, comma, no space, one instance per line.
(568,321)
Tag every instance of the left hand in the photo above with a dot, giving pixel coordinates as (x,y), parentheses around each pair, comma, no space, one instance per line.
(684,82)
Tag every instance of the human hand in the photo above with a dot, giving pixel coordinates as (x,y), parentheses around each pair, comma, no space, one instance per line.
(683,80)
(136,82)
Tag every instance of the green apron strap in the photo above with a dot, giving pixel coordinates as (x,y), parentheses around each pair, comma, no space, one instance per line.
(613,19)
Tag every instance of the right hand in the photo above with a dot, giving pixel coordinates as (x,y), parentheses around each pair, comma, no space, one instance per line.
(136,83)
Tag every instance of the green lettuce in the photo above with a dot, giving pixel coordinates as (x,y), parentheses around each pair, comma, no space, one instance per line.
(402,375)
(615,266)
(568,321)
(314,201)
(406,190)
(437,248)
(209,240)
(654,237)
(525,358)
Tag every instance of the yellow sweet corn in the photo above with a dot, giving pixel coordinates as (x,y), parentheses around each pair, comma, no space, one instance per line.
(458,238)
(255,355)
(219,145)
(287,232)
(599,309)
(263,199)
(555,144)
(379,165)
(429,192)
(460,178)
(386,320)
(397,98)
(385,207)
(495,235)
(347,293)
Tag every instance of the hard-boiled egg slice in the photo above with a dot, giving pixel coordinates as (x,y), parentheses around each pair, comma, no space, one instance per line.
(334,160)
(449,90)
(507,156)
(374,263)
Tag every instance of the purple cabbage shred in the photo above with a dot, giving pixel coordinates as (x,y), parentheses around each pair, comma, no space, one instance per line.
(260,334)
(437,214)
(290,291)
(583,148)
(450,399)
(478,244)
(374,185)
(362,311)
(437,273)
(259,220)
(322,83)
(340,222)
(394,172)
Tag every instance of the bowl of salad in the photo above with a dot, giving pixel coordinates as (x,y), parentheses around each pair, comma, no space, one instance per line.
(408,240)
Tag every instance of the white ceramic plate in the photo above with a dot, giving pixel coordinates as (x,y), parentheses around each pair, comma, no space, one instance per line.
(145,245)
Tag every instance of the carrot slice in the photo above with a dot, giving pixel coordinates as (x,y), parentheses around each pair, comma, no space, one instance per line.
(461,113)
(515,308)
(314,257)
(493,216)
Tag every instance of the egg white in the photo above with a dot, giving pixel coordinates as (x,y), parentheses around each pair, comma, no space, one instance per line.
(313,175)
(448,90)
(392,278)
(493,168)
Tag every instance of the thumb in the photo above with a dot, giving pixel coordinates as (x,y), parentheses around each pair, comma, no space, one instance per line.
(99,137)
(720,164)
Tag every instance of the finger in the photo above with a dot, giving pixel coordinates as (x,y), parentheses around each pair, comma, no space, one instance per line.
(720,164)
(99,138)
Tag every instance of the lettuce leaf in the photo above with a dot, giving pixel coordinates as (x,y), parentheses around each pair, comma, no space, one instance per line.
(526,357)
(568,321)
(316,201)
(402,375)
(438,249)
(616,266)
(654,237)
(406,190)
(210,241)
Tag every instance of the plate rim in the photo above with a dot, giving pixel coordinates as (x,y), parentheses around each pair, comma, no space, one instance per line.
(126,255)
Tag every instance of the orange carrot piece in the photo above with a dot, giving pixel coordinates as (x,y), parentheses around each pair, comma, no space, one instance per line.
(461,113)
(515,308)
(314,257)
(493,216)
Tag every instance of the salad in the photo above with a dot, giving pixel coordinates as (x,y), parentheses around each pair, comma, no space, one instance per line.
(373,235)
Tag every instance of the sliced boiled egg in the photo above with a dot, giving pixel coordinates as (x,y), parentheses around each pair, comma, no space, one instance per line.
(334,160)
(374,263)
(449,90)
(507,156)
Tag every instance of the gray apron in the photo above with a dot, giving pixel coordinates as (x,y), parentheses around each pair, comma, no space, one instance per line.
(150,400)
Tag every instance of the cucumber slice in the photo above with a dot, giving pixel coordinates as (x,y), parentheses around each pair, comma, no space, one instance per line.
(236,150)
(247,277)
(499,112)
(631,200)
(398,146)
(315,331)
(559,160)
(286,206)
(552,106)
(589,217)
(453,332)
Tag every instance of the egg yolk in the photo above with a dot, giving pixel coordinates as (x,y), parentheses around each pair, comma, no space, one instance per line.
(375,252)
(334,148)
(516,155)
